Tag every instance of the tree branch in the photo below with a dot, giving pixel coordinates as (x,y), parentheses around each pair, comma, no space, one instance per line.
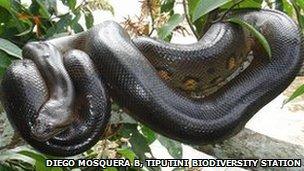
(152,17)
(226,12)
(189,20)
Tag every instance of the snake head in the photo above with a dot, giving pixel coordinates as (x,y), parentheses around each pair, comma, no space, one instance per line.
(56,113)
(51,121)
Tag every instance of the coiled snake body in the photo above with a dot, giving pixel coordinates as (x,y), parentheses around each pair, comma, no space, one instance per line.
(58,98)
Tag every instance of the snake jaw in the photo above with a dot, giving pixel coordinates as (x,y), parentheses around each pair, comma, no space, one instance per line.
(51,122)
(44,131)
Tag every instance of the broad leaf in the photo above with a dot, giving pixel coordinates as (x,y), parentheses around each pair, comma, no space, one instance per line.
(288,9)
(72,4)
(167,28)
(89,19)
(139,145)
(205,6)
(127,153)
(299,91)
(262,40)
(300,17)
(10,48)
(9,155)
(60,26)
(244,4)
(5,4)
(28,30)
(167,6)
(5,61)
(56,169)
(149,134)
(192,4)
(43,11)
(40,159)
(300,3)
(174,148)
(74,23)
(110,169)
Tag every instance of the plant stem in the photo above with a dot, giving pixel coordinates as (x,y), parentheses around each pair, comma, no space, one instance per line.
(152,17)
(189,21)
(226,12)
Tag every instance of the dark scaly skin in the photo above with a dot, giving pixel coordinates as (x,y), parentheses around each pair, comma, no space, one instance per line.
(56,112)
(135,83)
(25,93)
(190,71)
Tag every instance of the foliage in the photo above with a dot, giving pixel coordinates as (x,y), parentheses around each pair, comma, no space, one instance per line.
(253,31)
(40,20)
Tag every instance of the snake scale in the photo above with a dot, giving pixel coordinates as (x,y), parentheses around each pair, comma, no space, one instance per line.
(58,97)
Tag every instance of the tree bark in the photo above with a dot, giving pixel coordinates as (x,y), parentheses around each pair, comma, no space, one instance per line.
(252,145)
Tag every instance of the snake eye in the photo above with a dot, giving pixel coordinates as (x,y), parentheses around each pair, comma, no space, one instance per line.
(231,63)
(211,71)
(190,84)
(216,80)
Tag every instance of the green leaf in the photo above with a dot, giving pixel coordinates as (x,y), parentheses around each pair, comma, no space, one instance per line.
(167,28)
(255,32)
(174,148)
(299,91)
(110,169)
(300,17)
(74,23)
(27,31)
(6,156)
(5,61)
(288,9)
(139,144)
(127,153)
(192,4)
(56,169)
(10,48)
(72,4)
(43,11)
(5,4)
(244,4)
(149,134)
(60,26)
(77,27)
(40,159)
(205,6)
(300,3)
(89,19)
(167,6)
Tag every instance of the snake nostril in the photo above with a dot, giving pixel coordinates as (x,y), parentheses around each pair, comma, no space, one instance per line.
(46,55)
(211,70)
(216,80)
(231,63)
(164,74)
(190,84)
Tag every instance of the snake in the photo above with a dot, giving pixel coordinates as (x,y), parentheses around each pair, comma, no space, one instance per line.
(59,96)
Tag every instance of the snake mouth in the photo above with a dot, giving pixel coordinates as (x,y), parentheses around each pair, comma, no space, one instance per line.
(43,131)
(54,116)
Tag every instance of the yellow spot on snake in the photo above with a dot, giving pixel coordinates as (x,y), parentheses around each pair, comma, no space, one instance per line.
(190,85)
(231,63)
(164,74)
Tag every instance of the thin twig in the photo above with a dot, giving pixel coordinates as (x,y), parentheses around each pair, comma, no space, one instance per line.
(189,21)
(153,28)
(231,8)
(152,17)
